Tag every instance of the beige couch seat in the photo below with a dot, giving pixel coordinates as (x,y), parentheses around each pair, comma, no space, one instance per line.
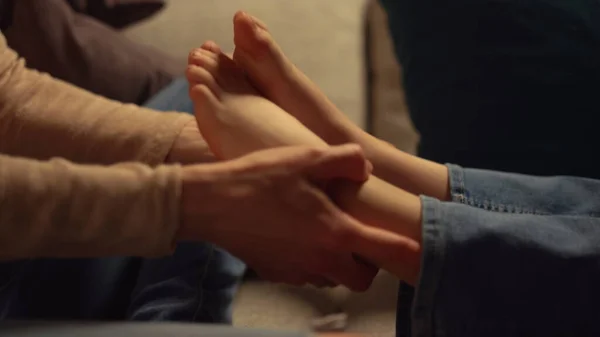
(326,39)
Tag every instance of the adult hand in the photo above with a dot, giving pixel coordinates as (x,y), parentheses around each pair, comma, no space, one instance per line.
(266,209)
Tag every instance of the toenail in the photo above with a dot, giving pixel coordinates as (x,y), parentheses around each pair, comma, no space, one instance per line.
(256,27)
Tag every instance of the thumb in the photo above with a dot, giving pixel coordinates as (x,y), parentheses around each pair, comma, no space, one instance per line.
(341,162)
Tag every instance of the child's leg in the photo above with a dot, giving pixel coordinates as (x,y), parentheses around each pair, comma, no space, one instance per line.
(281,82)
(236,120)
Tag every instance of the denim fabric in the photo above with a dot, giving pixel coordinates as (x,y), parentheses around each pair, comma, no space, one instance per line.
(494,265)
(507,85)
(197,283)
(175,97)
(58,289)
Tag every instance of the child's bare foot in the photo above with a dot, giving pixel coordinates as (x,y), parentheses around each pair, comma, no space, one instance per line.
(233,117)
(280,81)
(236,120)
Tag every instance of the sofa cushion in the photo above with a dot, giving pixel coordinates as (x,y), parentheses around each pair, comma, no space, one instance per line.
(118,13)
(76,48)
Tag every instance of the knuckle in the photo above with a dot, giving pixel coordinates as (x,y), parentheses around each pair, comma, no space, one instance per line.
(341,237)
(313,152)
(356,150)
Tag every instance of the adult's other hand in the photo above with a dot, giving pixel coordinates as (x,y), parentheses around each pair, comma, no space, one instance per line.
(266,208)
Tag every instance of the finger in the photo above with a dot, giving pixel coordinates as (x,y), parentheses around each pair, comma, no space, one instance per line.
(353,274)
(285,156)
(397,254)
(345,162)
(198,75)
(388,250)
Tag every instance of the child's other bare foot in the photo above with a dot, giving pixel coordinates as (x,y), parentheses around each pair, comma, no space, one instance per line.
(280,81)
(233,117)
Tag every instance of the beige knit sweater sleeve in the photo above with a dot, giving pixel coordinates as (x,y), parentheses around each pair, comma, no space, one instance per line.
(57,208)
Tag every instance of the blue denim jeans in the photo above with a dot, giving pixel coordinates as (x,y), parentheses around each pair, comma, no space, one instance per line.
(510,255)
(197,283)
(504,85)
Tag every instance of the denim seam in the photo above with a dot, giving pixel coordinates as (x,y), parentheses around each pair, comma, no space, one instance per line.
(200,289)
(423,311)
(489,205)
(459,193)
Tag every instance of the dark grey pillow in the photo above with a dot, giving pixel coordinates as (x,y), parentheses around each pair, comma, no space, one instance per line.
(76,48)
(118,13)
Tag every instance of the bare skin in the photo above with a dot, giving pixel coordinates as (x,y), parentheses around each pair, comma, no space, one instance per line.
(279,80)
(235,120)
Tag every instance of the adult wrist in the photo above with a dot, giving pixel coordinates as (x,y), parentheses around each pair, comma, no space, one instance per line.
(204,199)
(190,147)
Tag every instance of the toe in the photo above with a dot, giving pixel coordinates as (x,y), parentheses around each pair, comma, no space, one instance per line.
(203,97)
(205,59)
(211,46)
(241,15)
(200,76)
(259,55)
(251,36)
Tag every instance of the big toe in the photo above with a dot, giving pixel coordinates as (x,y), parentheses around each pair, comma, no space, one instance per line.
(259,55)
(252,36)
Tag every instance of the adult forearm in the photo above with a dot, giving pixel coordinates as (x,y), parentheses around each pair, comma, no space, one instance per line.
(42,117)
(60,209)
